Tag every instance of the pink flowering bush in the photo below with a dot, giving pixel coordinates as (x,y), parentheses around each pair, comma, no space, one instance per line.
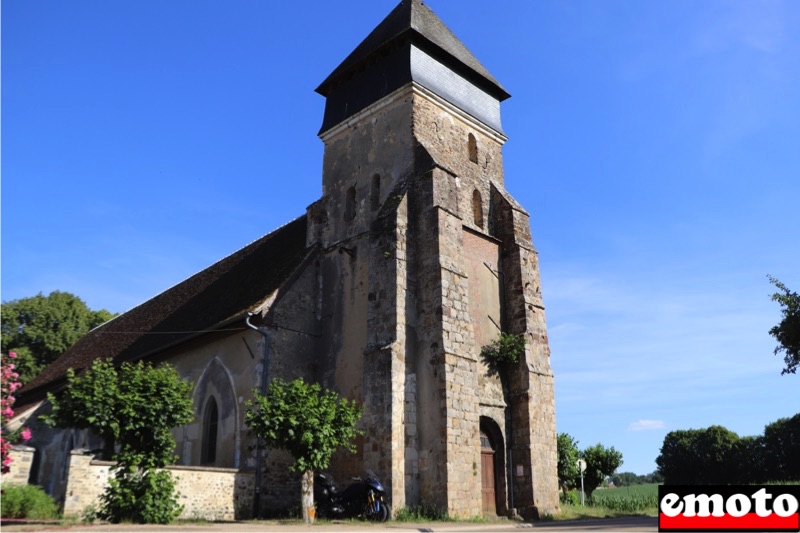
(8,386)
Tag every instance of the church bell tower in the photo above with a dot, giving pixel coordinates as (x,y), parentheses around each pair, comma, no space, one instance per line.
(425,258)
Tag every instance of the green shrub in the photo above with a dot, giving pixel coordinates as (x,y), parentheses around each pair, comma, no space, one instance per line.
(571,498)
(28,501)
(507,349)
(144,497)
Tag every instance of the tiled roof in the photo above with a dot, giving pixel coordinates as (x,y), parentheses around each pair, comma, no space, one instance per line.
(219,294)
(413,19)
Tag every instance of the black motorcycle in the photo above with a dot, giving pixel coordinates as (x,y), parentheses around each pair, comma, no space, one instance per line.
(365,498)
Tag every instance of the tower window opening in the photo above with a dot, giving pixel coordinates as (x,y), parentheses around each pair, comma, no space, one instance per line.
(375,194)
(477,208)
(472,145)
(350,205)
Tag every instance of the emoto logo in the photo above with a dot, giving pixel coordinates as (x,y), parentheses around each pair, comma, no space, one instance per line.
(728,508)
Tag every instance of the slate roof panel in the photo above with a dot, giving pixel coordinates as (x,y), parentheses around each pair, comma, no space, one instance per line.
(412,18)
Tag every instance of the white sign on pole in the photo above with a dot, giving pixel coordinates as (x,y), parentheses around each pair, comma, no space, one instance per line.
(582,468)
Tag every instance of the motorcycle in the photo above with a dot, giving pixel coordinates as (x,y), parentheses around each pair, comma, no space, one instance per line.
(365,498)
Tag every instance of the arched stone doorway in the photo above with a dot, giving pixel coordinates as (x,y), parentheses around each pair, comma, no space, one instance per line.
(493,487)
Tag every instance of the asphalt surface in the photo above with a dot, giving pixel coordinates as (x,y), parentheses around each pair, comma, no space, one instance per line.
(631,524)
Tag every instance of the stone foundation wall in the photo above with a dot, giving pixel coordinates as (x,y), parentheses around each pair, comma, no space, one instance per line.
(21,461)
(215,494)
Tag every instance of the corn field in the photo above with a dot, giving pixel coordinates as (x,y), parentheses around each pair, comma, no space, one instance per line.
(632,499)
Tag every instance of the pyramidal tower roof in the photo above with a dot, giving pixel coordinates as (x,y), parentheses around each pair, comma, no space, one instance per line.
(410,44)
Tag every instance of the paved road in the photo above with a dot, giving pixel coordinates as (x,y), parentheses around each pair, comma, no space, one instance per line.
(625,525)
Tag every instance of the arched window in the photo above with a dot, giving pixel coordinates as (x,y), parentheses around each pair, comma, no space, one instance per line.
(472,146)
(375,193)
(477,208)
(350,204)
(210,423)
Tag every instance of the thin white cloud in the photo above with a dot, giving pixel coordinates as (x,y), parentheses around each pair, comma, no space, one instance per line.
(646,425)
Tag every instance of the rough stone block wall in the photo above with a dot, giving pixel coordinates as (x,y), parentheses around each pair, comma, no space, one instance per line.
(217,494)
(447,399)
(21,462)
(384,375)
(86,481)
(531,383)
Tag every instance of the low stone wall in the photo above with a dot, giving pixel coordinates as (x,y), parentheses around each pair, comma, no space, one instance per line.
(20,467)
(215,494)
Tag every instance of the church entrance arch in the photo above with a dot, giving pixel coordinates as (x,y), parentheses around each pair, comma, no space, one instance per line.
(492,468)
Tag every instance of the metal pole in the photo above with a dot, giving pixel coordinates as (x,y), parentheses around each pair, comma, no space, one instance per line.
(259,442)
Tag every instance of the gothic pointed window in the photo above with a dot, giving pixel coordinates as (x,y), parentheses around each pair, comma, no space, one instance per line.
(350,204)
(375,194)
(472,146)
(477,208)
(210,424)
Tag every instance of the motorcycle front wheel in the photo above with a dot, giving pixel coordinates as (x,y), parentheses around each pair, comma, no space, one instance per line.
(381,514)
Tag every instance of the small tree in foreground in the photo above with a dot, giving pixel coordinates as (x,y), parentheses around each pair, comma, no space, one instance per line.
(567,461)
(308,422)
(600,462)
(135,405)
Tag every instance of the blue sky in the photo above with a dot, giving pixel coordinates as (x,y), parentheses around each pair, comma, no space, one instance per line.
(655,144)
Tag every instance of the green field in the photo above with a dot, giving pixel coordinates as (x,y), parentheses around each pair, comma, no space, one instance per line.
(623,501)
(634,499)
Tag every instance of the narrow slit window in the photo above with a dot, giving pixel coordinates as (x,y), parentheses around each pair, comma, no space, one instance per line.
(210,425)
(477,208)
(350,205)
(472,145)
(375,194)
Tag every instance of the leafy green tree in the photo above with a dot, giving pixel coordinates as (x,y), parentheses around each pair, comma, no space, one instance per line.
(308,422)
(600,463)
(567,461)
(787,332)
(136,406)
(625,479)
(699,456)
(748,461)
(41,328)
(782,449)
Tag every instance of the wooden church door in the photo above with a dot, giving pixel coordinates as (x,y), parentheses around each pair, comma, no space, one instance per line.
(487,476)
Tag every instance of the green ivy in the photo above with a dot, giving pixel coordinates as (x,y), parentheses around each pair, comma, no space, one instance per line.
(507,349)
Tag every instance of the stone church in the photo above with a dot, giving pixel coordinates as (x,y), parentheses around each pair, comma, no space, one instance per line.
(385,290)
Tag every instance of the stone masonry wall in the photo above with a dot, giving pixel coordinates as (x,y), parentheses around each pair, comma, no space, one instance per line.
(209,493)
(446,374)
(468,193)
(531,383)
(21,462)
